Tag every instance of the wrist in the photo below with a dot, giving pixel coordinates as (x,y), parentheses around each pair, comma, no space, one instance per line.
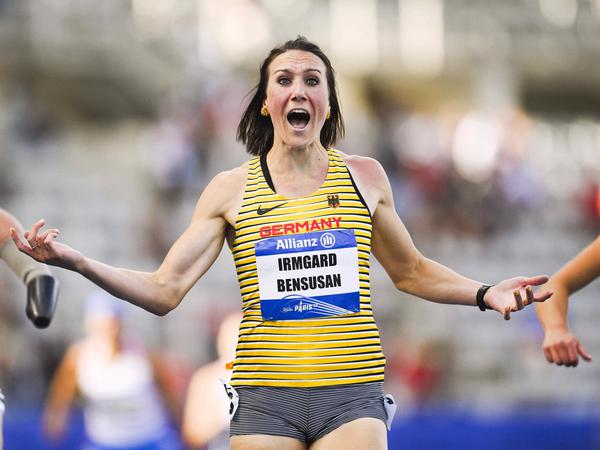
(80,265)
(556,327)
(480,296)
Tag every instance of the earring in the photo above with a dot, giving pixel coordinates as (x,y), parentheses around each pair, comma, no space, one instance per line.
(328,115)
(264,111)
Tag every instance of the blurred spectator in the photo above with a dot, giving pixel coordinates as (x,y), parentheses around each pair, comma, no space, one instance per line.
(128,400)
(590,204)
(174,167)
(206,419)
(418,371)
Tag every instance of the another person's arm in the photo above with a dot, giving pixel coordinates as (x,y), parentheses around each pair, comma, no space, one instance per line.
(62,392)
(42,287)
(25,268)
(413,273)
(187,260)
(166,388)
(560,346)
(202,422)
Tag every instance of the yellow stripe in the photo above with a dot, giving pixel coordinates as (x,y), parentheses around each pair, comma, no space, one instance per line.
(313,353)
(318,330)
(309,361)
(303,338)
(307,345)
(297,368)
(313,383)
(306,376)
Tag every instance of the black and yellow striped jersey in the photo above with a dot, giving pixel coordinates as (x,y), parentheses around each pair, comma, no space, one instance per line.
(303,270)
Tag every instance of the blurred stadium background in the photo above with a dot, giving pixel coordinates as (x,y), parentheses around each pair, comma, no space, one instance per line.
(116,113)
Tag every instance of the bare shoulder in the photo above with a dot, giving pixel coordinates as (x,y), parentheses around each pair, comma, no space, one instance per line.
(370,177)
(224,193)
(230,181)
(365,167)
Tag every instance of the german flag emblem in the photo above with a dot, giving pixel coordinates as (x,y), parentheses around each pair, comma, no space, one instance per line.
(333,200)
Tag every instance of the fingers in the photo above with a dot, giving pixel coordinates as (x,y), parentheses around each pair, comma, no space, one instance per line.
(572,359)
(554,354)
(529,297)
(548,355)
(583,352)
(535,281)
(543,297)
(529,294)
(48,236)
(32,235)
(17,240)
(566,353)
(518,299)
(506,313)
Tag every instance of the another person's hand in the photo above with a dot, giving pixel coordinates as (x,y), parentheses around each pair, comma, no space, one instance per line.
(42,246)
(563,348)
(514,294)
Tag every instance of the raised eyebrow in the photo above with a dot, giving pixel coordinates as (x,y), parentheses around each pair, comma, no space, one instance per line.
(289,71)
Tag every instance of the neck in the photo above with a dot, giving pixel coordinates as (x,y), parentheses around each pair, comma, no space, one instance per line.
(288,159)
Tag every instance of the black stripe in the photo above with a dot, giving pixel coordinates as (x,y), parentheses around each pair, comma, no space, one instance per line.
(280,380)
(357,191)
(333,325)
(265,171)
(374,352)
(285,345)
(365,364)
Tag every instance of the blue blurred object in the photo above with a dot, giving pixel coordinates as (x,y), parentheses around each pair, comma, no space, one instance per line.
(448,429)
(532,429)
(23,431)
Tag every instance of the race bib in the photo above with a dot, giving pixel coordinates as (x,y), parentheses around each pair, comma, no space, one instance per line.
(308,275)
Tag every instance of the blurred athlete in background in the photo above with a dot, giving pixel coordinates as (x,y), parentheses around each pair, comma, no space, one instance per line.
(127,398)
(205,418)
(42,287)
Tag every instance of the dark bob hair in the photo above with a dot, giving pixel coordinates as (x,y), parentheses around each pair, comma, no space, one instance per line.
(256,131)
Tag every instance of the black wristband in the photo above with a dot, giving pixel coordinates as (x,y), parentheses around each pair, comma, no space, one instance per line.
(480,294)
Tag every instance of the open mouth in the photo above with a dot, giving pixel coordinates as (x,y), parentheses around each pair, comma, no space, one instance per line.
(298,118)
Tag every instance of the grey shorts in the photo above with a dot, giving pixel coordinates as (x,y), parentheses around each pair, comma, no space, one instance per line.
(306,414)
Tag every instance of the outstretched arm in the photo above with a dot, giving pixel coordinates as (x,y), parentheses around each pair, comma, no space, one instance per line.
(411,272)
(162,290)
(560,346)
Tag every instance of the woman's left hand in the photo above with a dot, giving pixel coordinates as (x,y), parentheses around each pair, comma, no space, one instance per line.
(514,294)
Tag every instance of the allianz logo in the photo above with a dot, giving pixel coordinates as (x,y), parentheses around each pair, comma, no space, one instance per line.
(327,240)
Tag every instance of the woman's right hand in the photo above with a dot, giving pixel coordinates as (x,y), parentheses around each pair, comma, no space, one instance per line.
(42,247)
(563,348)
